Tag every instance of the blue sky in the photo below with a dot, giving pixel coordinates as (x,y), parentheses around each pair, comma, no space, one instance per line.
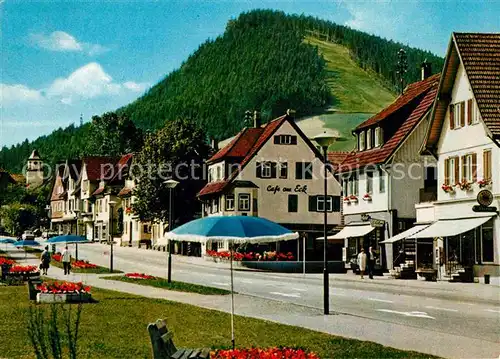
(66,58)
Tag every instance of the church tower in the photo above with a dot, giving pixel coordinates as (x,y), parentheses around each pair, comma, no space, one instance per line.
(34,171)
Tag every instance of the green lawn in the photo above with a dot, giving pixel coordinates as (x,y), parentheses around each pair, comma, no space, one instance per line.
(177,286)
(354,89)
(115,327)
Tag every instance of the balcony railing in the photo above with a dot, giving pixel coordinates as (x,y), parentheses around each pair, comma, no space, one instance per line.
(428,195)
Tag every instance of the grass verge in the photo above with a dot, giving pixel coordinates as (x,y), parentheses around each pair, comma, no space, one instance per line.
(177,286)
(115,327)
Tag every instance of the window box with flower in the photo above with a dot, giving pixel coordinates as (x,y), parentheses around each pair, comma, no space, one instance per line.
(448,188)
(367,197)
(353,198)
(465,185)
(484,183)
(347,199)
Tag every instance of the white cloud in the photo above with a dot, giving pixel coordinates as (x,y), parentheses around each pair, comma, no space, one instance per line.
(136,87)
(63,42)
(14,94)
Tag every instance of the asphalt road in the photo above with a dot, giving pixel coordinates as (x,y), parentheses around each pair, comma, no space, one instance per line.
(456,309)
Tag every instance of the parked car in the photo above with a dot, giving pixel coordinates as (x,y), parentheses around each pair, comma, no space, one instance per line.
(28,236)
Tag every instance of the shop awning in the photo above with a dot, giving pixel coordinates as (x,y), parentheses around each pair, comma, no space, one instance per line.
(451,227)
(415,229)
(352,231)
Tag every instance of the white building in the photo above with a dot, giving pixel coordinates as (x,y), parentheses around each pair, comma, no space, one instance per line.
(385,176)
(274,171)
(34,170)
(464,136)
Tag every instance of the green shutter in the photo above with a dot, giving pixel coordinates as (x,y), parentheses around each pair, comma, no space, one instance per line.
(336,203)
(313,203)
(258,170)
(273,169)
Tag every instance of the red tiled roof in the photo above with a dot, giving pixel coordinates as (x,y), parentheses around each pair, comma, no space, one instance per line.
(337,157)
(97,165)
(480,55)
(121,168)
(411,92)
(98,191)
(381,154)
(125,191)
(245,145)
(239,146)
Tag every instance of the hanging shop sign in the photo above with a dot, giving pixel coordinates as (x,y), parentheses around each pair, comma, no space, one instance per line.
(485,199)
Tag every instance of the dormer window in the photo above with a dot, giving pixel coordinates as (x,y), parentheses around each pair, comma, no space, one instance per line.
(362,141)
(219,174)
(379,139)
(369,139)
(285,140)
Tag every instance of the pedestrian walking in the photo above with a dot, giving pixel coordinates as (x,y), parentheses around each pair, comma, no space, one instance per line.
(362,262)
(66,259)
(45,260)
(371,262)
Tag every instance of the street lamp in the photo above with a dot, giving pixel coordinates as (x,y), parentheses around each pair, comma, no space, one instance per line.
(325,140)
(111,204)
(77,212)
(171,184)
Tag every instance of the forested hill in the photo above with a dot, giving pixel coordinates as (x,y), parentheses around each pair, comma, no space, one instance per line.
(262,61)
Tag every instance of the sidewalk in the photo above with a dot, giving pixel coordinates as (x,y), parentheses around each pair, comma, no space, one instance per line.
(351,326)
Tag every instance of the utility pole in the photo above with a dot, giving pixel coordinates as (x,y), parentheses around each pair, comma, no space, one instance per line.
(402,68)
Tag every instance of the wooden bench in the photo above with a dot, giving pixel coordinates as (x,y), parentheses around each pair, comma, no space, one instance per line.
(164,348)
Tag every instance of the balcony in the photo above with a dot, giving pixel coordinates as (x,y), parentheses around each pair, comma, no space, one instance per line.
(428,194)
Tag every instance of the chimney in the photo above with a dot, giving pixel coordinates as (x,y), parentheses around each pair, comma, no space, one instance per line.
(290,112)
(256,119)
(215,144)
(426,69)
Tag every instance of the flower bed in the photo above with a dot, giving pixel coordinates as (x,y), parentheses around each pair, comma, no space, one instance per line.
(63,288)
(6,261)
(251,256)
(17,269)
(83,265)
(57,257)
(257,353)
(139,276)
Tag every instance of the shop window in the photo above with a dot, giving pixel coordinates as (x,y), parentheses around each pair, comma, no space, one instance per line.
(487,242)
(293,203)
(229,202)
(243,202)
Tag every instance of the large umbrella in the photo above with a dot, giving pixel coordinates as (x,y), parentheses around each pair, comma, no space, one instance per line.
(7,241)
(69,238)
(26,243)
(235,229)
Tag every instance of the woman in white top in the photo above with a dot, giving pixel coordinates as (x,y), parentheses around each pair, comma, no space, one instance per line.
(362,262)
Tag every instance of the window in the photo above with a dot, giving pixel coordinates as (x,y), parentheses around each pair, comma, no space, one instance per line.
(369,139)
(470,112)
(457,115)
(284,170)
(320,204)
(378,140)
(487,165)
(219,174)
(369,182)
(345,186)
(293,202)
(487,248)
(266,170)
(243,202)
(285,140)
(303,170)
(469,168)
(210,175)
(215,205)
(354,184)
(381,181)
(362,141)
(145,228)
(230,202)
(451,171)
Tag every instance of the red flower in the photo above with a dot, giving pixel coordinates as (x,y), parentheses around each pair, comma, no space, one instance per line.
(7,261)
(257,353)
(139,276)
(83,265)
(23,269)
(63,288)
(57,257)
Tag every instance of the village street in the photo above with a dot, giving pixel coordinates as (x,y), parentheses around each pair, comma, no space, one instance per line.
(462,318)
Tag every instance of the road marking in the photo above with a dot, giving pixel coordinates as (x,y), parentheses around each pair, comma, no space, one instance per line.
(407,314)
(493,310)
(300,290)
(445,309)
(246,281)
(380,300)
(292,295)
(218,283)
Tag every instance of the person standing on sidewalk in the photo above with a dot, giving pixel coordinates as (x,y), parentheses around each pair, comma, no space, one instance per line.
(362,262)
(371,262)
(66,259)
(45,260)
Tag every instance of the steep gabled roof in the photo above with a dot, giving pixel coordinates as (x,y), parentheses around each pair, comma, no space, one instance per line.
(34,155)
(97,165)
(479,53)
(382,154)
(121,169)
(335,158)
(239,146)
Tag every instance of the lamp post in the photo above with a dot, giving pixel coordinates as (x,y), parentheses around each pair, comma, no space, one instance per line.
(171,184)
(111,204)
(77,212)
(324,140)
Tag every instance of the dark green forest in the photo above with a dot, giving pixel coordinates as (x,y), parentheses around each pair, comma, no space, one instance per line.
(260,62)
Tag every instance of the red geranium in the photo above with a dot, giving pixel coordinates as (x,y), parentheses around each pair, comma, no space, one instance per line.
(257,353)
(139,276)
(7,261)
(57,257)
(63,288)
(83,265)
(24,269)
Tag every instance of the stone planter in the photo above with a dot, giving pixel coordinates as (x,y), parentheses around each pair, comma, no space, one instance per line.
(63,297)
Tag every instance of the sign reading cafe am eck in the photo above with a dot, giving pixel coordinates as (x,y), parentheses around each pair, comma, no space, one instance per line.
(298,189)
